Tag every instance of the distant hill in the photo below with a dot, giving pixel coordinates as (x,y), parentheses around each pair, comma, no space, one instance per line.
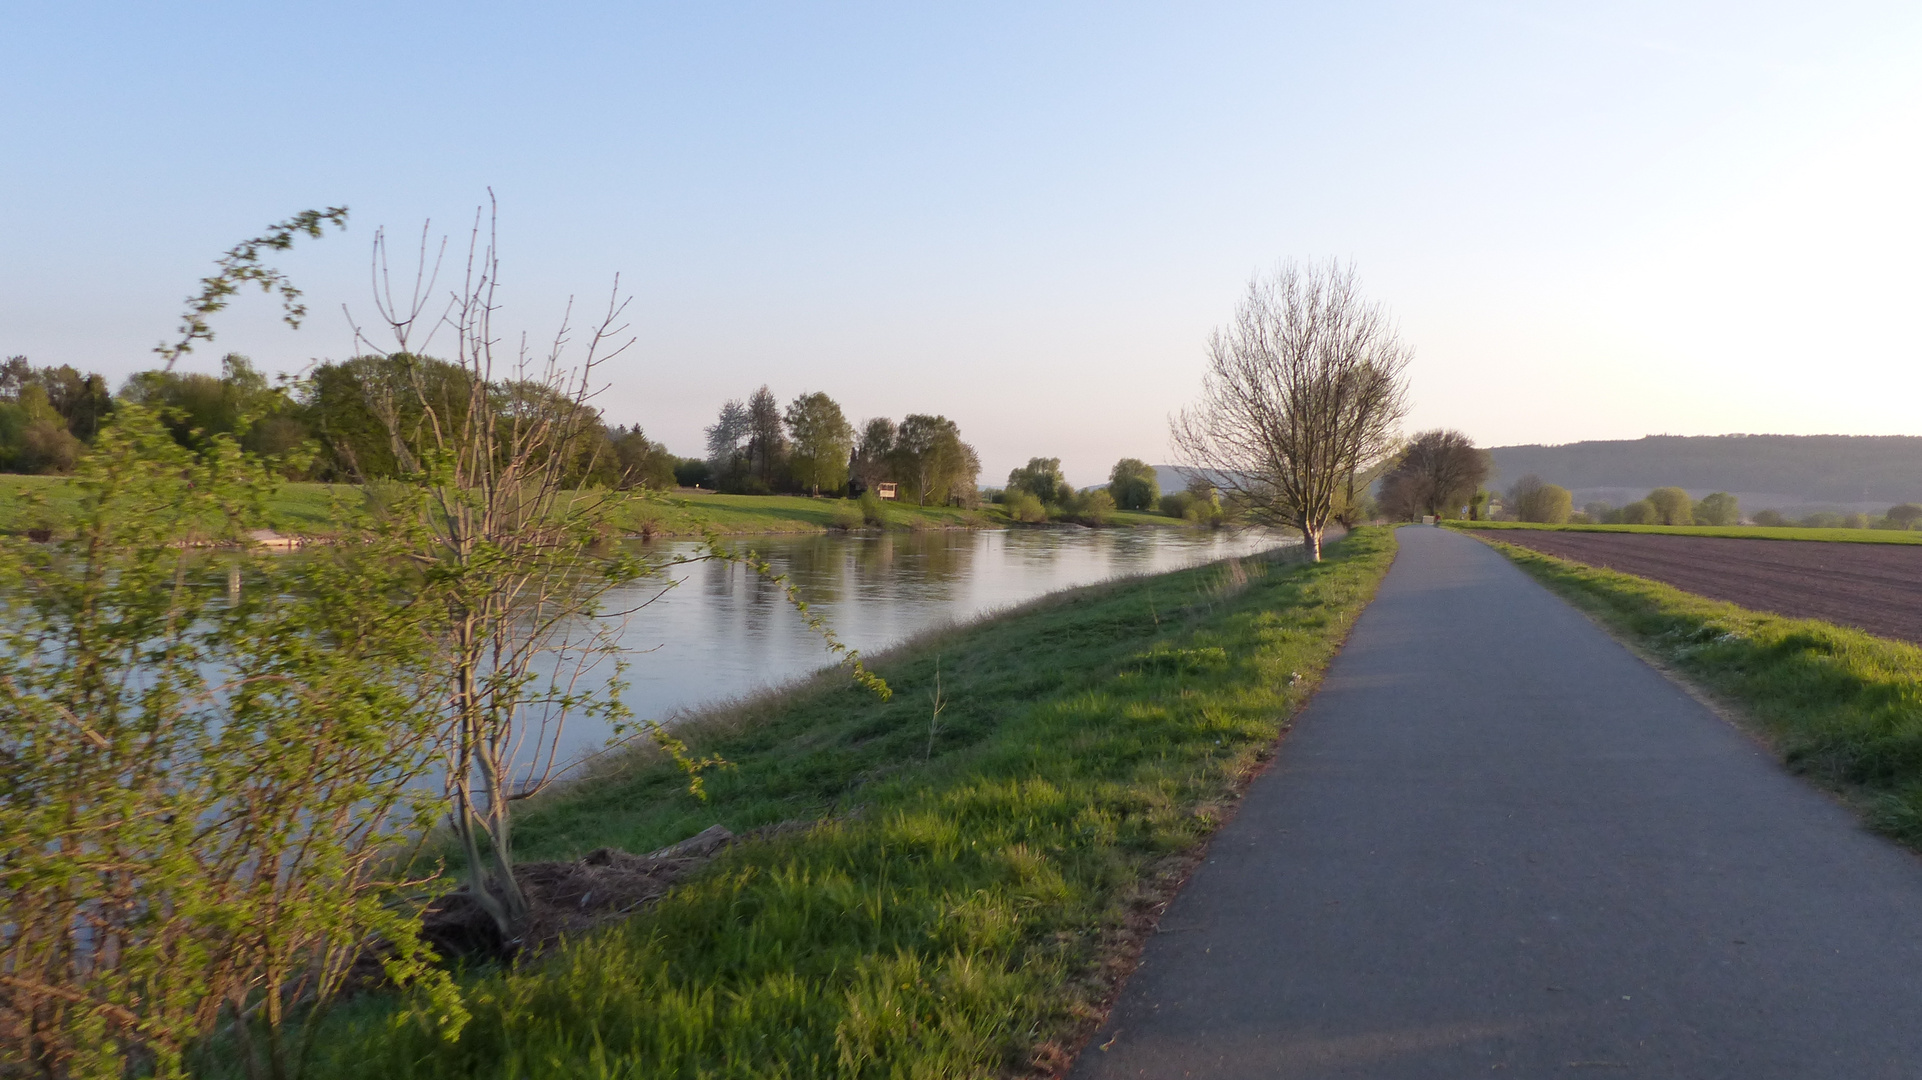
(1821,471)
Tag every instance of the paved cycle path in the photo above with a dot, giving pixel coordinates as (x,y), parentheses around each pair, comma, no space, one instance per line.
(1497,844)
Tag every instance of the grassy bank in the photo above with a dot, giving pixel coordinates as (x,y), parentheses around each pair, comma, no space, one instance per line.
(302,509)
(1839,706)
(1753,532)
(975,873)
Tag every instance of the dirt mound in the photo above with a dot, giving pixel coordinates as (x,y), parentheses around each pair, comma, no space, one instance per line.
(567,898)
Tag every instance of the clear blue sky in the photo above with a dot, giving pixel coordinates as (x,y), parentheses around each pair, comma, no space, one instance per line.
(1593,220)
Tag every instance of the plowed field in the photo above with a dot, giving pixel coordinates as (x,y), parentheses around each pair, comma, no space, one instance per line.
(1873,587)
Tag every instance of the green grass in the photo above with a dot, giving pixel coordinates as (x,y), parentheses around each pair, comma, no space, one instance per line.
(305,509)
(1752,532)
(41,501)
(951,914)
(1840,706)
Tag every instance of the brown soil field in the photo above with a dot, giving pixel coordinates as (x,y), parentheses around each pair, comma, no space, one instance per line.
(1872,587)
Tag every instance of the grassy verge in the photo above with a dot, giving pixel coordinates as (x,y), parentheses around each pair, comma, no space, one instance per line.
(1839,706)
(976,873)
(1752,532)
(303,509)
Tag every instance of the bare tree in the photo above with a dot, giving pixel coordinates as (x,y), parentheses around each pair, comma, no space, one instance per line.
(1303,391)
(505,550)
(1439,470)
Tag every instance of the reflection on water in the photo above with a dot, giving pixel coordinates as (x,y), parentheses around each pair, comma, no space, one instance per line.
(724,631)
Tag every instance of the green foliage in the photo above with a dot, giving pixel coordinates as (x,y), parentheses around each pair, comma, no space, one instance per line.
(1720,508)
(241,266)
(823,440)
(1904,516)
(1546,503)
(1840,706)
(949,913)
(692,472)
(1822,519)
(872,510)
(1770,519)
(932,462)
(1023,506)
(205,762)
(1639,512)
(82,402)
(1040,477)
(1671,505)
(33,436)
(1094,506)
(849,515)
(1133,485)
(641,462)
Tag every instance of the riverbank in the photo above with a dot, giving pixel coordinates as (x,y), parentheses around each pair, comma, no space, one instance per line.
(988,847)
(313,510)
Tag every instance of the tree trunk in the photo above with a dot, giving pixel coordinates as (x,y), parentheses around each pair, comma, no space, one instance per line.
(1313,539)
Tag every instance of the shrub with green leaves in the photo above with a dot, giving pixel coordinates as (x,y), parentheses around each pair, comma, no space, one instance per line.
(205,760)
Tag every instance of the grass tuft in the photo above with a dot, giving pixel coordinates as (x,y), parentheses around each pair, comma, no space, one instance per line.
(960,907)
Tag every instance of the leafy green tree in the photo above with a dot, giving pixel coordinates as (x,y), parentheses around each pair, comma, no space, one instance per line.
(1719,508)
(1639,512)
(1905,515)
(83,401)
(642,462)
(1023,506)
(727,437)
(1094,506)
(1133,485)
(692,472)
(1546,503)
(767,447)
(873,461)
(1672,506)
(931,458)
(822,442)
(1770,519)
(1041,477)
(200,789)
(34,437)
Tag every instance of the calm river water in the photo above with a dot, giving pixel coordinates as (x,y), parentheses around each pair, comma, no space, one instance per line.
(723,632)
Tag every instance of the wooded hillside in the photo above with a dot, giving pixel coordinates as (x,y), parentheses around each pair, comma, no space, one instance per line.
(1817,468)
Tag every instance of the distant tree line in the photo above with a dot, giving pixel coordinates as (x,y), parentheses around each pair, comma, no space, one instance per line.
(756,447)
(330,426)
(1811,468)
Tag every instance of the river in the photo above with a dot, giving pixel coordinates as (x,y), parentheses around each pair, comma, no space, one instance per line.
(723,632)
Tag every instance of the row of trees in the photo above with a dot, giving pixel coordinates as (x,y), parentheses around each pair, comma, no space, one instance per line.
(756,447)
(1901,517)
(1038,491)
(331,425)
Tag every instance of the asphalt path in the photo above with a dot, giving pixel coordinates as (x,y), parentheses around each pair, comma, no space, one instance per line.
(1498,844)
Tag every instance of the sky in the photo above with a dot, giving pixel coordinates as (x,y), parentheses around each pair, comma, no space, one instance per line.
(1599,220)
